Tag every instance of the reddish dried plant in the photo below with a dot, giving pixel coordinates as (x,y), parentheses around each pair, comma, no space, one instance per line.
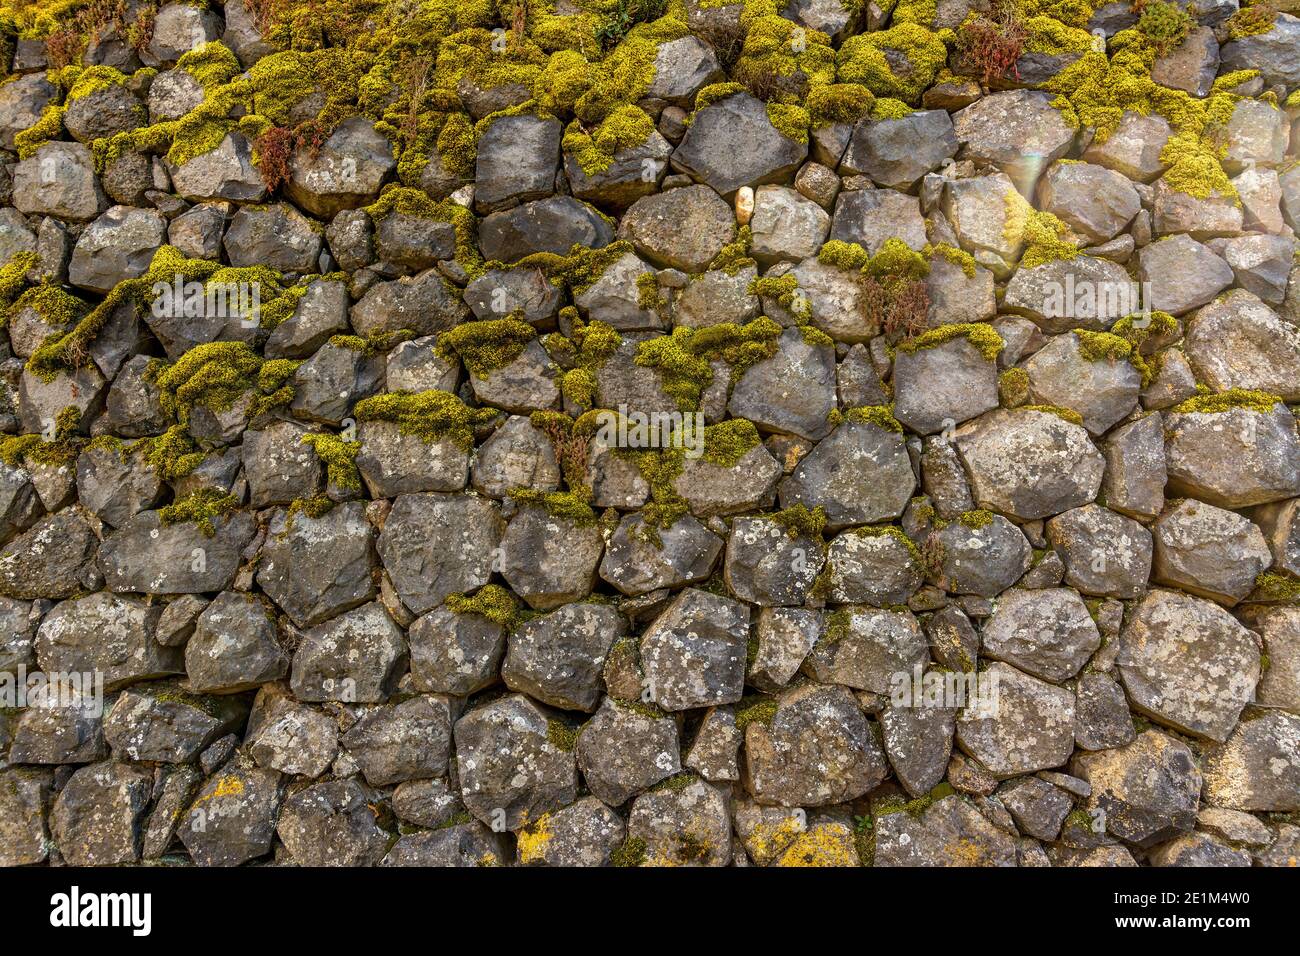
(993,44)
(273,148)
(907,307)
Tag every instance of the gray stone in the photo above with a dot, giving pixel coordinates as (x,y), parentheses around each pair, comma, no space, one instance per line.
(119,245)
(225,173)
(897,152)
(1029,464)
(403,741)
(1104,553)
(148,556)
(332,824)
(694,652)
(1094,201)
(59,180)
(554,224)
(276,236)
(316,567)
(96,819)
(1018,131)
(1187,664)
(354,658)
(870,216)
(1239,342)
(867,649)
(625,749)
(1031,726)
(816,750)
(549,560)
(860,474)
(732,143)
(1183,274)
(235,646)
(346,171)
(510,772)
(1234,458)
(1257,767)
(558,658)
(1208,551)
(944,385)
(434,545)
(1134,482)
(769,565)
(681,229)
(1144,792)
(54,559)
(877,566)
(684,554)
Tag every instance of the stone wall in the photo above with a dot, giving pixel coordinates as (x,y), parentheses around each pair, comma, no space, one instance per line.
(647,432)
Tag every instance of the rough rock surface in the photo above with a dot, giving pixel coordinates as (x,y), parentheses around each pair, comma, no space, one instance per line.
(948,512)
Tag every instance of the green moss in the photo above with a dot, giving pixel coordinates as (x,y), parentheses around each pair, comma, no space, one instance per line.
(882,416)
(838,103)
(591,345)
(1215,403)
(755,709)
(631,852)
(889,108)
(1013,387)
(1228,82)
(317,506)
(862,60)
(173,454)
(714,92)
(1097,90)
(340,457)
(838,625)
(48,127)
(981,335)
(52,304)
(13,277)
(214,375)
(430,416)
(799,522)
(734,256)
(683,358)
(790,120)
(201,508)
(71,350)
(572,506)
(976,519)
(958,257)
(1067,414)
(728,442)
(1251,21)
(1273,586)
(490,601)
(914,807)
(843,255)
(486,346)
(212,64)
(561,736)
(626,127)
(60,451)
(780,60)
(1102,346)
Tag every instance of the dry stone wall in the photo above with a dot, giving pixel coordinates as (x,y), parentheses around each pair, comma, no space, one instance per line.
(650,432)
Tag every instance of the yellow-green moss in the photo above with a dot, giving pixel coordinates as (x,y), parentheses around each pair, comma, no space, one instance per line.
(1102,346)
(491,601)
(431,416)
(799,521)
(48,127)
(573,506)
(1275,587)
(861,59)
(838,103)
(1067,414)
(1233,398)
(626,127)
(340,457)
(958,257)
(201,508)
(755,709)
(728,442)
(882,416)
(488,345)
(981,335)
